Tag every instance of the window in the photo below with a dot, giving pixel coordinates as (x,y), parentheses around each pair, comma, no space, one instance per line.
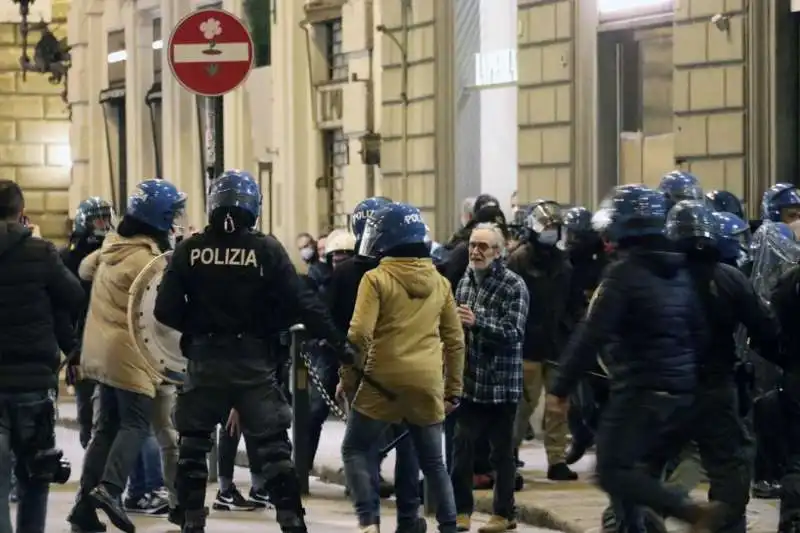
(116,58)
(336,159)
(337,60)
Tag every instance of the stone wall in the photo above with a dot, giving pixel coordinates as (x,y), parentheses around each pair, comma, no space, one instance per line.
(34,133)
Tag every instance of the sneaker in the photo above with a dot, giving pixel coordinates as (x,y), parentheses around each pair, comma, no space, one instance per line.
(561,472)
(497,524)
(463,522)
(259,498)
(232,500)
(147,504)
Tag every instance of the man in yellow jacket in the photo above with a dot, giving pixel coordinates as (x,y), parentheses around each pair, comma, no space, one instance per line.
(407,328)
(127,382)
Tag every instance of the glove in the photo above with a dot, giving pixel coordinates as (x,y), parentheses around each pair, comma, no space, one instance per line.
(347,353)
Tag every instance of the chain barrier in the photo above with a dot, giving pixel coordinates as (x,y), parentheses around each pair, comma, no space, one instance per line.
(319,386)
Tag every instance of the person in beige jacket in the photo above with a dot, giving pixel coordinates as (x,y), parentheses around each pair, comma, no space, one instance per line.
(128,385)
(407,328)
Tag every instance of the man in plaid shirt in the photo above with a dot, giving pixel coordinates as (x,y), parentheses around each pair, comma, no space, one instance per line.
(493,307)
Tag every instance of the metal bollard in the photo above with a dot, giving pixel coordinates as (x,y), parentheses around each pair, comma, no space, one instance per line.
(301,409)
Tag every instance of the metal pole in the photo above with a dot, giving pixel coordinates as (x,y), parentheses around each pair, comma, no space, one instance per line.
(301,408)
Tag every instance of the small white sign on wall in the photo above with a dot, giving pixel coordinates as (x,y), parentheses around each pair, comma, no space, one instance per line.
(795,6)
(39,10)
(495,68)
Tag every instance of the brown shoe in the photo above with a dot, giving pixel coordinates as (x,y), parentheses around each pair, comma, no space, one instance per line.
(496,524)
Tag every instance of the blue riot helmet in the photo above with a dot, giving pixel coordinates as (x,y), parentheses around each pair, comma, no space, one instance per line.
(725,202)
(157,203)
(94,218)
(631,211)
(390,226)
(679,185)
(781,203)
(734,238)
(578,228)
(362,212)
(235,189)
(691,224)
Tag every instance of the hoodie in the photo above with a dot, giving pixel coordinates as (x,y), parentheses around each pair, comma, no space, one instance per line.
(109,355)
(406,326)
(35,286)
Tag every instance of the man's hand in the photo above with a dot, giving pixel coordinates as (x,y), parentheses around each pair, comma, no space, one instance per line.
(232,425)
(449,407)
(341,396)
(466,315)
(556,404)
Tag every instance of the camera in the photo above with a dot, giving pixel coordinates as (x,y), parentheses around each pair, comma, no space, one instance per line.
(49,466)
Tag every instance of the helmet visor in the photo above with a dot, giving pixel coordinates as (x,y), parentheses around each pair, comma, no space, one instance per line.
(688,192)
(368,240)
(543,216)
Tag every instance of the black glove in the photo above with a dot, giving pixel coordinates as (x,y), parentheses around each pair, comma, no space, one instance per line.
(345,353)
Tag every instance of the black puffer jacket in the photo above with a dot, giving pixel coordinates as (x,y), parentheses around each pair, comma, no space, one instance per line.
(648,305)
(343,288)
(72,255)
(34,286)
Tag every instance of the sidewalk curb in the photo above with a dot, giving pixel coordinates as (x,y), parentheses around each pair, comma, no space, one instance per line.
(527,514)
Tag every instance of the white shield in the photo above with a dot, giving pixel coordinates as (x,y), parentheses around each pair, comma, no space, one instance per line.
(159,344)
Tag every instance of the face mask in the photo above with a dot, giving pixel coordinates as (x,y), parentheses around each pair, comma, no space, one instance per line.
(548,237)
(307,253)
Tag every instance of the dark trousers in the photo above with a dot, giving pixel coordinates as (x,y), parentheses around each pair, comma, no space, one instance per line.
(496,422)
(768,424)
(642,427)
(790,484)
(328,373)
(123,425)
(84,393)
(265,418)
(228,448)
(23,418)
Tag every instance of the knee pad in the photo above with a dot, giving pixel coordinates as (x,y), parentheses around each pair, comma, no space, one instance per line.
(284,492)
(193,450)
(274,453)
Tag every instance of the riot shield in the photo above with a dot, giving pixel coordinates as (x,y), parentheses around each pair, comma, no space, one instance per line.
(159,344)
(773,254)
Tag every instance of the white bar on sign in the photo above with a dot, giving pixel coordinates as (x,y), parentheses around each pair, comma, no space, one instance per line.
(795,6)
(197,53)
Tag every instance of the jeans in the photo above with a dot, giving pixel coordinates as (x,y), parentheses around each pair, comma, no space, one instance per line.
(84,393)
(449,439)
(360,454)
(147,476)
(164,431)
(123,425)
(24,416)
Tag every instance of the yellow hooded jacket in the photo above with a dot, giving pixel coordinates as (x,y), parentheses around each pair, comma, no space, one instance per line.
(108,353)
(405,322)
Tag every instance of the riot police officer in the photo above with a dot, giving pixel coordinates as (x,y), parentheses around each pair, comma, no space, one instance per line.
(725,202)
(94,218)
(680,185)
(647,305)
(734,239)
(229,290)
(723,390)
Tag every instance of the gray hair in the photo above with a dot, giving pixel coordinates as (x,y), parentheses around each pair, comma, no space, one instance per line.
(468,205)
(498,239)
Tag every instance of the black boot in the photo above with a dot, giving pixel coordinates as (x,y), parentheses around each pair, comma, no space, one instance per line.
(194,521)
(83,517)
(291,521)
(112,506)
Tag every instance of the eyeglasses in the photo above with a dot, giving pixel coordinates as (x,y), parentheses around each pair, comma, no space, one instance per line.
(480,246)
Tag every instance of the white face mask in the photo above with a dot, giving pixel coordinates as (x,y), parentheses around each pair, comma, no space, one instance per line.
(548,237)
(307,253)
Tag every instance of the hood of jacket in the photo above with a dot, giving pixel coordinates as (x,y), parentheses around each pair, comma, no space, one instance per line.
(665,265)
(116,248)
(417,276)
(11,234)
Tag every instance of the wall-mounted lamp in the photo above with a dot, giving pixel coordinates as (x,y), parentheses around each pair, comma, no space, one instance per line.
(722,22)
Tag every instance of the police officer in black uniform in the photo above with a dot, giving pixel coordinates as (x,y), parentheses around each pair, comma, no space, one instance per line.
(229,290)
(722,400)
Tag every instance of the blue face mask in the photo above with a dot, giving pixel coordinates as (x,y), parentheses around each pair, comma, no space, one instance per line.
(548,237)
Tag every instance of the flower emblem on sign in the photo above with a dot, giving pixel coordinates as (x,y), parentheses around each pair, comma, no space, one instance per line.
(211,29)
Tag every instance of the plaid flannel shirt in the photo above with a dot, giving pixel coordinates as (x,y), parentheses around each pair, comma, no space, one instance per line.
(493,365)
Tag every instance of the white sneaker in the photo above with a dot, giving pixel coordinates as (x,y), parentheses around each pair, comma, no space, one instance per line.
(369,529)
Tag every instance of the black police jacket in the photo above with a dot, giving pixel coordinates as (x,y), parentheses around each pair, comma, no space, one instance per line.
(785,303)
(237,284)
(34,286)
(648,307)
(343,289)
(554,309)
(729,300)
(70,332)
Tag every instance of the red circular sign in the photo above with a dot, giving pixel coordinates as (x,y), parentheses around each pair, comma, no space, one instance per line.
(210,52)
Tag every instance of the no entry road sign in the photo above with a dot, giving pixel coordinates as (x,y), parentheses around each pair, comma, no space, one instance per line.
(210,52)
